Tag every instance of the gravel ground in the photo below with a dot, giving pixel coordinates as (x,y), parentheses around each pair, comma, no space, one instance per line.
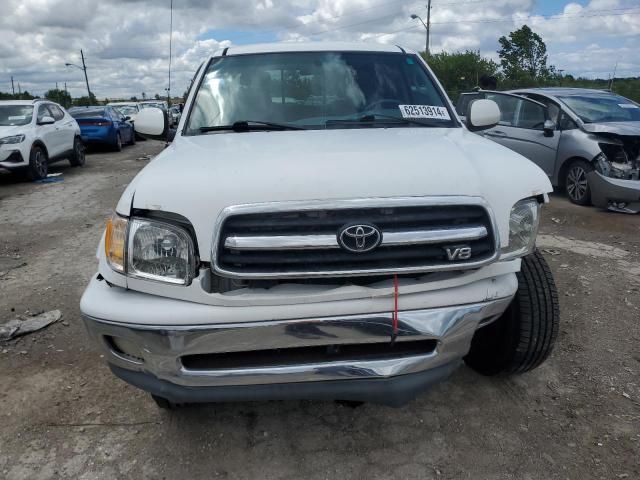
(63,415)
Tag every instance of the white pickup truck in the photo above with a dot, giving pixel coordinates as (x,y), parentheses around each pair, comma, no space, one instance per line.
(322,226)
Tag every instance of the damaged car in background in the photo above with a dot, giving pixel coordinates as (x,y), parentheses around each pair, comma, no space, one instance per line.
(587,141)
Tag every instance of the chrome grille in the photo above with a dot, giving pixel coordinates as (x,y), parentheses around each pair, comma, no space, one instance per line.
(286,240)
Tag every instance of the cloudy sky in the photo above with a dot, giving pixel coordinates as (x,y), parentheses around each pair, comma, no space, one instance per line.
(126,41)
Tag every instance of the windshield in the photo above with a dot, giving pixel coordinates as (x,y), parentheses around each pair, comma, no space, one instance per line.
(318,90)
(603,108)
(94,112)
(11,115)
(126,109)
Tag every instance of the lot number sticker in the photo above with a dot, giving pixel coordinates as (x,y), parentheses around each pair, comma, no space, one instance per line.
(424,111)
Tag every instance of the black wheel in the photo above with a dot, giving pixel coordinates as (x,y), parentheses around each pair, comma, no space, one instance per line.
(133,137)
(38,164)
(576,182)
(78,157)
(523,337)
(163,403)
(118,146)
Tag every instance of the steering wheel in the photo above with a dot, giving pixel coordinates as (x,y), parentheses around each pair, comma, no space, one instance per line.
(381,102)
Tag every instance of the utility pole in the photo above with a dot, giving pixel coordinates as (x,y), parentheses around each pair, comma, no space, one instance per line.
(170,38)
(613,77)
(86,79)
(19,91)
(428,25)
(13,89)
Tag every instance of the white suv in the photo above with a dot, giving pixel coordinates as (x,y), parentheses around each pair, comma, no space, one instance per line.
(35,133)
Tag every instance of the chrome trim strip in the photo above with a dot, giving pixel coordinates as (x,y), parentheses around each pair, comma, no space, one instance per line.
(426,237)
(281,242)
(163,346)
(376,202)
(314,242)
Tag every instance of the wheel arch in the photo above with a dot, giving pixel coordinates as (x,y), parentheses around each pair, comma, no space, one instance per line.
(39,143)
(562,172)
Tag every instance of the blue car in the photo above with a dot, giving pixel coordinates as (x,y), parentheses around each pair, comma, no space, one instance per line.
(104,125)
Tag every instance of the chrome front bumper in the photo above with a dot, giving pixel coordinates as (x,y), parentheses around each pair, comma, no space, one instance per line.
(159,350)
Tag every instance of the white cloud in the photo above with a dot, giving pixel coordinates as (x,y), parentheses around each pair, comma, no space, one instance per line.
(126,41)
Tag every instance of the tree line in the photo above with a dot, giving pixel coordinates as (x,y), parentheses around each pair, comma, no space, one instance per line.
(523,63)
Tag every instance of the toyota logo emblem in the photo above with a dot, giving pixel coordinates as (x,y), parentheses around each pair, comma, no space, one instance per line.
(359,238)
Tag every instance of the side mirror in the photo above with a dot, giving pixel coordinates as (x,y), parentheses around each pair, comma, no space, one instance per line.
(152,123)
(126,118)
(46,121)
(482,114)
(549,128)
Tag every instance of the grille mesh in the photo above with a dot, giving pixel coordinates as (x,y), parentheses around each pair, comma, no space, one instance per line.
(387,258)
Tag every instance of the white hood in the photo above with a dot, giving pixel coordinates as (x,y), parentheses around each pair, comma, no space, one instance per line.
(7,131)
(198,176)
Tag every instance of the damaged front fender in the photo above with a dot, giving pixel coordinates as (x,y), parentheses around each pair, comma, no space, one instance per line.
(615,182)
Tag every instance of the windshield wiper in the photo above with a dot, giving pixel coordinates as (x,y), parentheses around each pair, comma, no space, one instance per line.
(249,125)
(381,118)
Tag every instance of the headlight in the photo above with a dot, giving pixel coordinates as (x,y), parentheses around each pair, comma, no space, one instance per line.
(11,139)
(148,249)
(159,251)
(523,228)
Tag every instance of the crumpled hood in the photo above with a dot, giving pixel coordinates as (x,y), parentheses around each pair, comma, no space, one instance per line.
(617,128)
(198,176)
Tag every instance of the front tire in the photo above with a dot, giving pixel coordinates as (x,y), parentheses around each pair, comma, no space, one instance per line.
(78,158)
(38,164)
(523,337)
(577,184)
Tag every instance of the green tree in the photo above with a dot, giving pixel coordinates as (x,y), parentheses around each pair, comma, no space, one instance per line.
(134,99)
(84,101)
(59,96)
(461,71)
(157,97)
(523,57)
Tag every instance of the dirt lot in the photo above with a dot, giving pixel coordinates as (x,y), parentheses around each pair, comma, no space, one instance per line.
(63,415)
